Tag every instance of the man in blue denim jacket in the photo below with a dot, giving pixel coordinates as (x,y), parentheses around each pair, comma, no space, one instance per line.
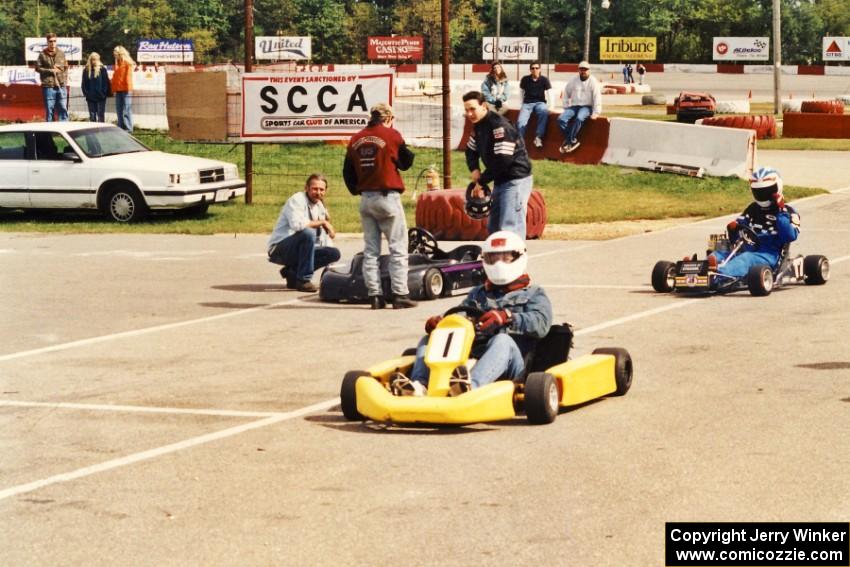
(515,316)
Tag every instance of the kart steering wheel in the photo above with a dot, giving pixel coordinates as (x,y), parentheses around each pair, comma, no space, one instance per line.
(420,241)
(473,313)
(748,235)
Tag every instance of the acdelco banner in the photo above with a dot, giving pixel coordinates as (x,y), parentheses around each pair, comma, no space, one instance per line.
(165,51)
(741,48)
(282,47)
(510,49)
(395,48)
(283,107)
(72,46)
(628,48)
(836,49)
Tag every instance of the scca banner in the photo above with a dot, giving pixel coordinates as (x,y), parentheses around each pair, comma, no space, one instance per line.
(284,107)
(628,48)
(741,48)
(395,48)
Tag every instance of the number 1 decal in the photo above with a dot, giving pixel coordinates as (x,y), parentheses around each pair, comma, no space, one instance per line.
(446,345)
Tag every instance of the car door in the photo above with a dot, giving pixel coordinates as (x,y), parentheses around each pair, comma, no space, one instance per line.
(58,177)
(14,170)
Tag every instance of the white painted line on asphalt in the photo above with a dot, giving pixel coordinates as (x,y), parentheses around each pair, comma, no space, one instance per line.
(139,332)
(636,316)
(159,451)
(138,409)
(589,286)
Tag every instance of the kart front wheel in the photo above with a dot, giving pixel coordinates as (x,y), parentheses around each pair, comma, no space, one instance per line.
(760,280)
(541,398)
(816,269)
(623,369)
(348,395)
(664,276)
(434,283)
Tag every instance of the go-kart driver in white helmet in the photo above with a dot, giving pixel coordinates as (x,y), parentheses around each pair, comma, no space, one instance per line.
(515,316)
(775,224)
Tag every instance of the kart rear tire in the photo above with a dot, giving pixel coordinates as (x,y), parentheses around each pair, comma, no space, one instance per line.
(760,280)
(663,275)
(623,368)
(542,398)
(816,269)
(433,284)
(348,395)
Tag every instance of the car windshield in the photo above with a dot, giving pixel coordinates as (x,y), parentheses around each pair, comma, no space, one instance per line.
(99,142)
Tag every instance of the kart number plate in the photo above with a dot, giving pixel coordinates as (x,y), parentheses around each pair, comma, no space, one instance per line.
(222,195)
(446,345)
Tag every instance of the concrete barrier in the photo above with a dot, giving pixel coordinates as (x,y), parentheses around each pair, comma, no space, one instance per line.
(645,143)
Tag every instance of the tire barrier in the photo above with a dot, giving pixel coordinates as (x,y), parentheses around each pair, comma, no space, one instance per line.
(764,125)
(822,106)
(791,105)
(815,125)
(442,214)
(648,99)
(733,106)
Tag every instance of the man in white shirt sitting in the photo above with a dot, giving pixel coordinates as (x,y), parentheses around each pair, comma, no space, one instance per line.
(582,100)
(302,238)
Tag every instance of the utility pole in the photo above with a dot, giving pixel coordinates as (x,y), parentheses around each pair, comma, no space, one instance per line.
(447,99)
(777,58)
(249,58)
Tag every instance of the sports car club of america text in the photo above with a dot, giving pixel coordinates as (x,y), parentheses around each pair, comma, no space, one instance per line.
(298,101)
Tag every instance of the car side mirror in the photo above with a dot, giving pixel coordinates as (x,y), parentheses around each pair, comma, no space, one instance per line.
(71,156)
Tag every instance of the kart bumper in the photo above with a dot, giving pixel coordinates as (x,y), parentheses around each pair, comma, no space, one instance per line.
(493,402)
(585,378)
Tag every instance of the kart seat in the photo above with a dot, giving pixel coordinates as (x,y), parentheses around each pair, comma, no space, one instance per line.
(552,349)
(465,253)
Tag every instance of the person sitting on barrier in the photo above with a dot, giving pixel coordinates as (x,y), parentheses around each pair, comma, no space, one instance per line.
(582,100)
(535,100)
(302,238)
(516,315)
(497,143)
(774,223)
(496,88)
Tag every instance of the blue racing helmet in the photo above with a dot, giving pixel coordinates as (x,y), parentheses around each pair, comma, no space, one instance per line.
(764,182)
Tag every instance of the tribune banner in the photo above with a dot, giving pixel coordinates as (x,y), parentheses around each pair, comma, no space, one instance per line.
(628,48)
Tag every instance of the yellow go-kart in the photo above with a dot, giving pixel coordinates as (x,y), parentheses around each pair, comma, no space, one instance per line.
(552,381)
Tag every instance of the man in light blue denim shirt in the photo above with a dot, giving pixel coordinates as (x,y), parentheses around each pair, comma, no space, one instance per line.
(302,238)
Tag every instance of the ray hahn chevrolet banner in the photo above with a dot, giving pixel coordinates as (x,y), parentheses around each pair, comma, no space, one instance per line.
(278,48)
(72,46)
(627,48)
(328,106)
(741,48)
(511,49)
(165,51)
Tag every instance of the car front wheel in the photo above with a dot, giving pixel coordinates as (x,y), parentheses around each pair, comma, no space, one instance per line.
(124,204)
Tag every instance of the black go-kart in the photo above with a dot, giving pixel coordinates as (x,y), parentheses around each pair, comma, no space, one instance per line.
(698,276)
(432,272)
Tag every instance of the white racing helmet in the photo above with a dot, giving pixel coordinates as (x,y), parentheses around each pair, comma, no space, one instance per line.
(764,182)
(505,258)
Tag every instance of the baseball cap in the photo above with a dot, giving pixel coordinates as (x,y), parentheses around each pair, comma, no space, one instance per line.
(584,65)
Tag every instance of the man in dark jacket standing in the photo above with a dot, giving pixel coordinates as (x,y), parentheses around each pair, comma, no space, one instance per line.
(372,163)
(498,144)
(53,67)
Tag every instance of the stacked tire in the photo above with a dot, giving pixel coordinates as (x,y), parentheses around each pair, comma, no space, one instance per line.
(442,214)
(764,125)
(822,106)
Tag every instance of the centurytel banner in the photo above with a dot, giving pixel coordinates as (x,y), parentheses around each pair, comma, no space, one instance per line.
(510,49)
(741,48)
(284,106)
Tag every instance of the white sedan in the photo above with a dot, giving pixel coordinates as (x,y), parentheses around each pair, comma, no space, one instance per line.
(88,165)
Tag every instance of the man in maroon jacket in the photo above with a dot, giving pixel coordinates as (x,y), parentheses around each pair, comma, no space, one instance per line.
(372,163)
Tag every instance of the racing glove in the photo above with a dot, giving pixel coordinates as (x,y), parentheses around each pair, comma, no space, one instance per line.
(432,323)
(498,104)
(494,319)
(779,200)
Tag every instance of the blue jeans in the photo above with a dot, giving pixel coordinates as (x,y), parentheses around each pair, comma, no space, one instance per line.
(383,215)
(123,108)
(571,121)
(97,110)
(299,253)
(510,206)
(540,110)
(500,357)
(55,100)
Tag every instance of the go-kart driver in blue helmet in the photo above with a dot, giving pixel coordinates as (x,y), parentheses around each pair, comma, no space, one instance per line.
(774,223)
(515,316)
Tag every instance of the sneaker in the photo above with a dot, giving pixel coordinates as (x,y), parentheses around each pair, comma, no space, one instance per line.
(403,302)
(564,148)
(538,143)
(460,382)
(401,385)
(306,286)
(573,147)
